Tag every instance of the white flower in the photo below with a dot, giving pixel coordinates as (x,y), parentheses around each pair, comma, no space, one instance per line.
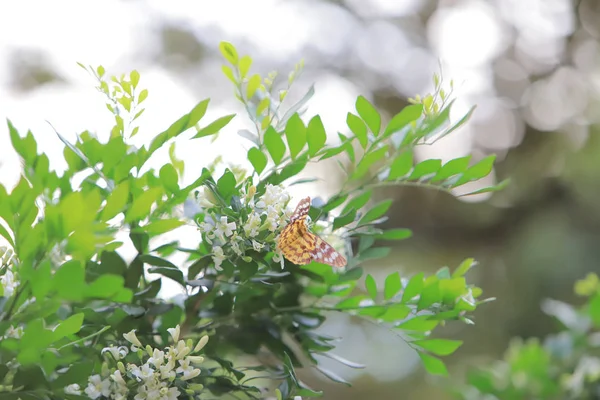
(132,338)
(257,246)
(170,393)
(224,228)
(7,281)
(180,351)
(272,218)
(206,227)
(218,256)
(274,196)
(207,198)
(118,378)
(13,332)
(97,387)
(201,343)
(118,353)
(174,332)
(158,357)
(73,389)
(252,226)
(167,371)
(187,370)
(195,359)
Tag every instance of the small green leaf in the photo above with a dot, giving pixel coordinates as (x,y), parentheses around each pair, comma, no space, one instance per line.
(134,77)
(451,168)
(369,114)
(425,169)
(433,365)
(315,135)
(464,267)
(295,133)
(245,63)
(358,127)
(229,52)
(142,96)
(69,326)
(275,145)
(69,281)
(257,159)
(392,285)
(403,118)
(170,272)
(371,286)
(375,212)
(357,202)
(420,323)
(401,165)
(105,286)
(253,85)
(229,73)
(158,226)
(477,171)
(369,159)
(439,347)
(395,312)
(226,185)
(374,253)
(495,188)
(169,178)
(413,288)
(140,208)
(344,219)
(214,127)
(395,234)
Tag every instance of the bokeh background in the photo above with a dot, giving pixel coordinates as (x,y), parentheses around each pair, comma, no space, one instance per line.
(532,67)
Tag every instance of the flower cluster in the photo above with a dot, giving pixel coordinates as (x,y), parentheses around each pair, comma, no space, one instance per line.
(158,375)
(256,227)
(8,281)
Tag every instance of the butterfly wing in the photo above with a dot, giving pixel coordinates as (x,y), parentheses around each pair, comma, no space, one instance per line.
(301,210)
(324,253)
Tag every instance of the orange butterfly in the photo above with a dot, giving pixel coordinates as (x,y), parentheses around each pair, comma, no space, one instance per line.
(300,246)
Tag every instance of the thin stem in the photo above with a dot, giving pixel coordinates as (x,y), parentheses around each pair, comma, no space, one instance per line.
(86,338)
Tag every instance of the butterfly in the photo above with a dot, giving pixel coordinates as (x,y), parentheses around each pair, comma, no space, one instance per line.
(300,246)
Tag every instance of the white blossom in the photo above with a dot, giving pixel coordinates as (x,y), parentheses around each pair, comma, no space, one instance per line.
(174,332)
(224,229)
(97,387)
(118,353)
(252,226)
(132,338)
(218,256)
(13,332)
(158,358)
(72,389)
(257,246)
(187,370)
(8,283)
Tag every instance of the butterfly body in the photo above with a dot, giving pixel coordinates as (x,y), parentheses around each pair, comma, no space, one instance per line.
(301,246)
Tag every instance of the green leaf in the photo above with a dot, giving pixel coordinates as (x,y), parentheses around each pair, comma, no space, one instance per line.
(395,234)
(451,168)
(495,188)
(69,326)
(214,127)
(295,133)
(296,107)
(173,273)
(159,226)
(369,159)
(439,347)
(358,127)
(395,312)
(344,219)
(181,125)
(392,285)
(374,253)
(226,185)
(140,208)
(105,286)
(142,96)
(315,135)
(401,165)
(41,281)
(376,212)
(245,63)
(69,281)
(371,286)
(369,114)
(594,309)
(134,77)
(414,287)
(169,178)
(420,323)
(252,86)
(229,73)
(425,169)
(477,171)
(403,118)
(275,144)
(357,202)
(433,365)
(229,52)
(257,159)
(464,267)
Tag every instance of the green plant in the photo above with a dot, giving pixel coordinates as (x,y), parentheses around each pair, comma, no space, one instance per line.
(81,321)
(566,365)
